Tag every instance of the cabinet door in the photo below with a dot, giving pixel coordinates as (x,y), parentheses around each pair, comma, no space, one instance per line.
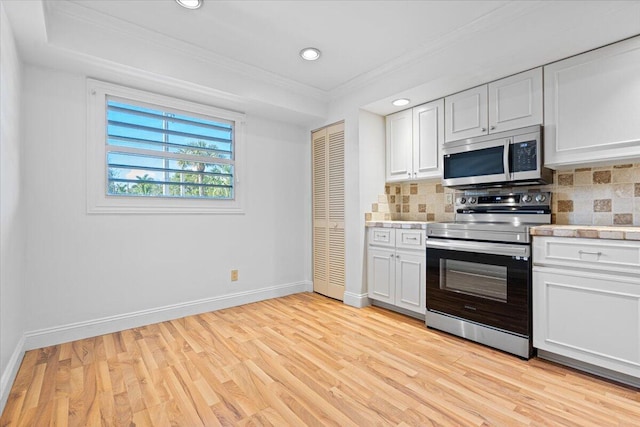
(466,114)
(335,187)
(320,212)
(428,136)
(399,146)
(328,211)
(381,274)
(592,106)
(516,101)
(410,281)
(593,318)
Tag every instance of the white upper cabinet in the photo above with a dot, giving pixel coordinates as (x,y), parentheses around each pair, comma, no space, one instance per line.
(592,107)
(516,102)
(466,114)
(428,136)
(510,103)
(399,146)
(413,142)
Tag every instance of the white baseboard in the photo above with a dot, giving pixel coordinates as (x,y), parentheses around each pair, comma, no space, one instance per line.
(356,300)
(9,374)
(397,309)
(589,368)
(91,328)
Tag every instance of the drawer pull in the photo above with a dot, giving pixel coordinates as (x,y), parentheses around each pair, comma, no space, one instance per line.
(590,253)
(412,238)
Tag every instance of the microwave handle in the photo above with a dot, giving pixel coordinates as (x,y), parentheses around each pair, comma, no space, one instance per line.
(505,159)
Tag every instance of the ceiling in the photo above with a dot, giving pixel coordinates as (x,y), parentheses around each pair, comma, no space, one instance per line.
(418,49)
(354,37)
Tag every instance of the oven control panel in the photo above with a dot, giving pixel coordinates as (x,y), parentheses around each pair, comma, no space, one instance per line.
(511,199)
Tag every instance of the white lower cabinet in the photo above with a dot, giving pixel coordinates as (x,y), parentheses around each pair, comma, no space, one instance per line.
(396,268)
(381,265)
(583,310)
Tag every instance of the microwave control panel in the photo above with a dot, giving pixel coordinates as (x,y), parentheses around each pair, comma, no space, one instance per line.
(524,156)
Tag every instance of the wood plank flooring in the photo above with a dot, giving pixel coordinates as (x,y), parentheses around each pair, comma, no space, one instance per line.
(302,360)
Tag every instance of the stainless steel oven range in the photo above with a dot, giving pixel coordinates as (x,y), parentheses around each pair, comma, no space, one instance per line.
(479,269)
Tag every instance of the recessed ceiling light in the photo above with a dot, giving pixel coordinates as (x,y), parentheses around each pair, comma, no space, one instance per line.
(190,4)
(401,102)
(310,53)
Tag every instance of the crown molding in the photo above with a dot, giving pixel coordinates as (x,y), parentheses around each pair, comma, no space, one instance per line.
(509,10)
(55,9)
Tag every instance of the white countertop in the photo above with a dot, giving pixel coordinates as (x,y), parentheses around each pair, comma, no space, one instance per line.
(588,231)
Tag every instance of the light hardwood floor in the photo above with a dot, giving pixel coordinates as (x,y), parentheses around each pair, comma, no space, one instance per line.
(302,360)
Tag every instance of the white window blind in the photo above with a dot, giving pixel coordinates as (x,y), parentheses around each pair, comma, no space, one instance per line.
(157,153)
(150,153)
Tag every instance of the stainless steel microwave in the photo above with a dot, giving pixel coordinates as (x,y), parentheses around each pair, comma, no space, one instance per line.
(501,159)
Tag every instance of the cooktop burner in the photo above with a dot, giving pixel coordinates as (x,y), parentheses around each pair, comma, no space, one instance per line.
(495,217)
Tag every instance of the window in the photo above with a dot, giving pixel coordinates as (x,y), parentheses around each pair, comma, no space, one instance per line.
(150,153)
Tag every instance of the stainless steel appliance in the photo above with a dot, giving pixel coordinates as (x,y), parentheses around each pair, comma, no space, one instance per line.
(501,159)
(479,269)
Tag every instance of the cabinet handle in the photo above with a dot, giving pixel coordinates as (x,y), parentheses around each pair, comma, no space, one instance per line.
(492,128)
(483,129)
(589,253)
(412,238)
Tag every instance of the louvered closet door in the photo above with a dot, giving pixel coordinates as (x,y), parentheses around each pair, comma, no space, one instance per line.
(335,136)
(320,213)
(328,211)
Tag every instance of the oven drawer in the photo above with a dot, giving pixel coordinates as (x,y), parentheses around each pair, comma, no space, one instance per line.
(382,237)
(594,254)
(410,239)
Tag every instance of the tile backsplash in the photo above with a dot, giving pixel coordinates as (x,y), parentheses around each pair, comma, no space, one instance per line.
(607,195)
(597,196)
(421,201)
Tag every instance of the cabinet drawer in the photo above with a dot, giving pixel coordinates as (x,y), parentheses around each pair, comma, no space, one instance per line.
(382,237)
(595,254)
(410,239)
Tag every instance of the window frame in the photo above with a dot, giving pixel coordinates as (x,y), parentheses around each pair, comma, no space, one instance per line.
(98,202)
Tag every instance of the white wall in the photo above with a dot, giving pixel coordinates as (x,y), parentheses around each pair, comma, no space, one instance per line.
(364,181)
(365,176)
(12,224)
(82,268)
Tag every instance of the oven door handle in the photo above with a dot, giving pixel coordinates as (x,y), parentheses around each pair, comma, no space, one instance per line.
(480,247)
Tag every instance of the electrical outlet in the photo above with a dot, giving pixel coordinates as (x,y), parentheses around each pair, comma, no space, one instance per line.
(234,275)
(449,198)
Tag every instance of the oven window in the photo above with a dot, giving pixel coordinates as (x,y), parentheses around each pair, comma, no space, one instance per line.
(481,280)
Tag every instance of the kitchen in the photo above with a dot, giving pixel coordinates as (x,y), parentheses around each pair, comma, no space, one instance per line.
(55,248)
(487,279)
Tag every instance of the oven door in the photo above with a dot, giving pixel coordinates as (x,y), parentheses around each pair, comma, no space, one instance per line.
(483,282)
